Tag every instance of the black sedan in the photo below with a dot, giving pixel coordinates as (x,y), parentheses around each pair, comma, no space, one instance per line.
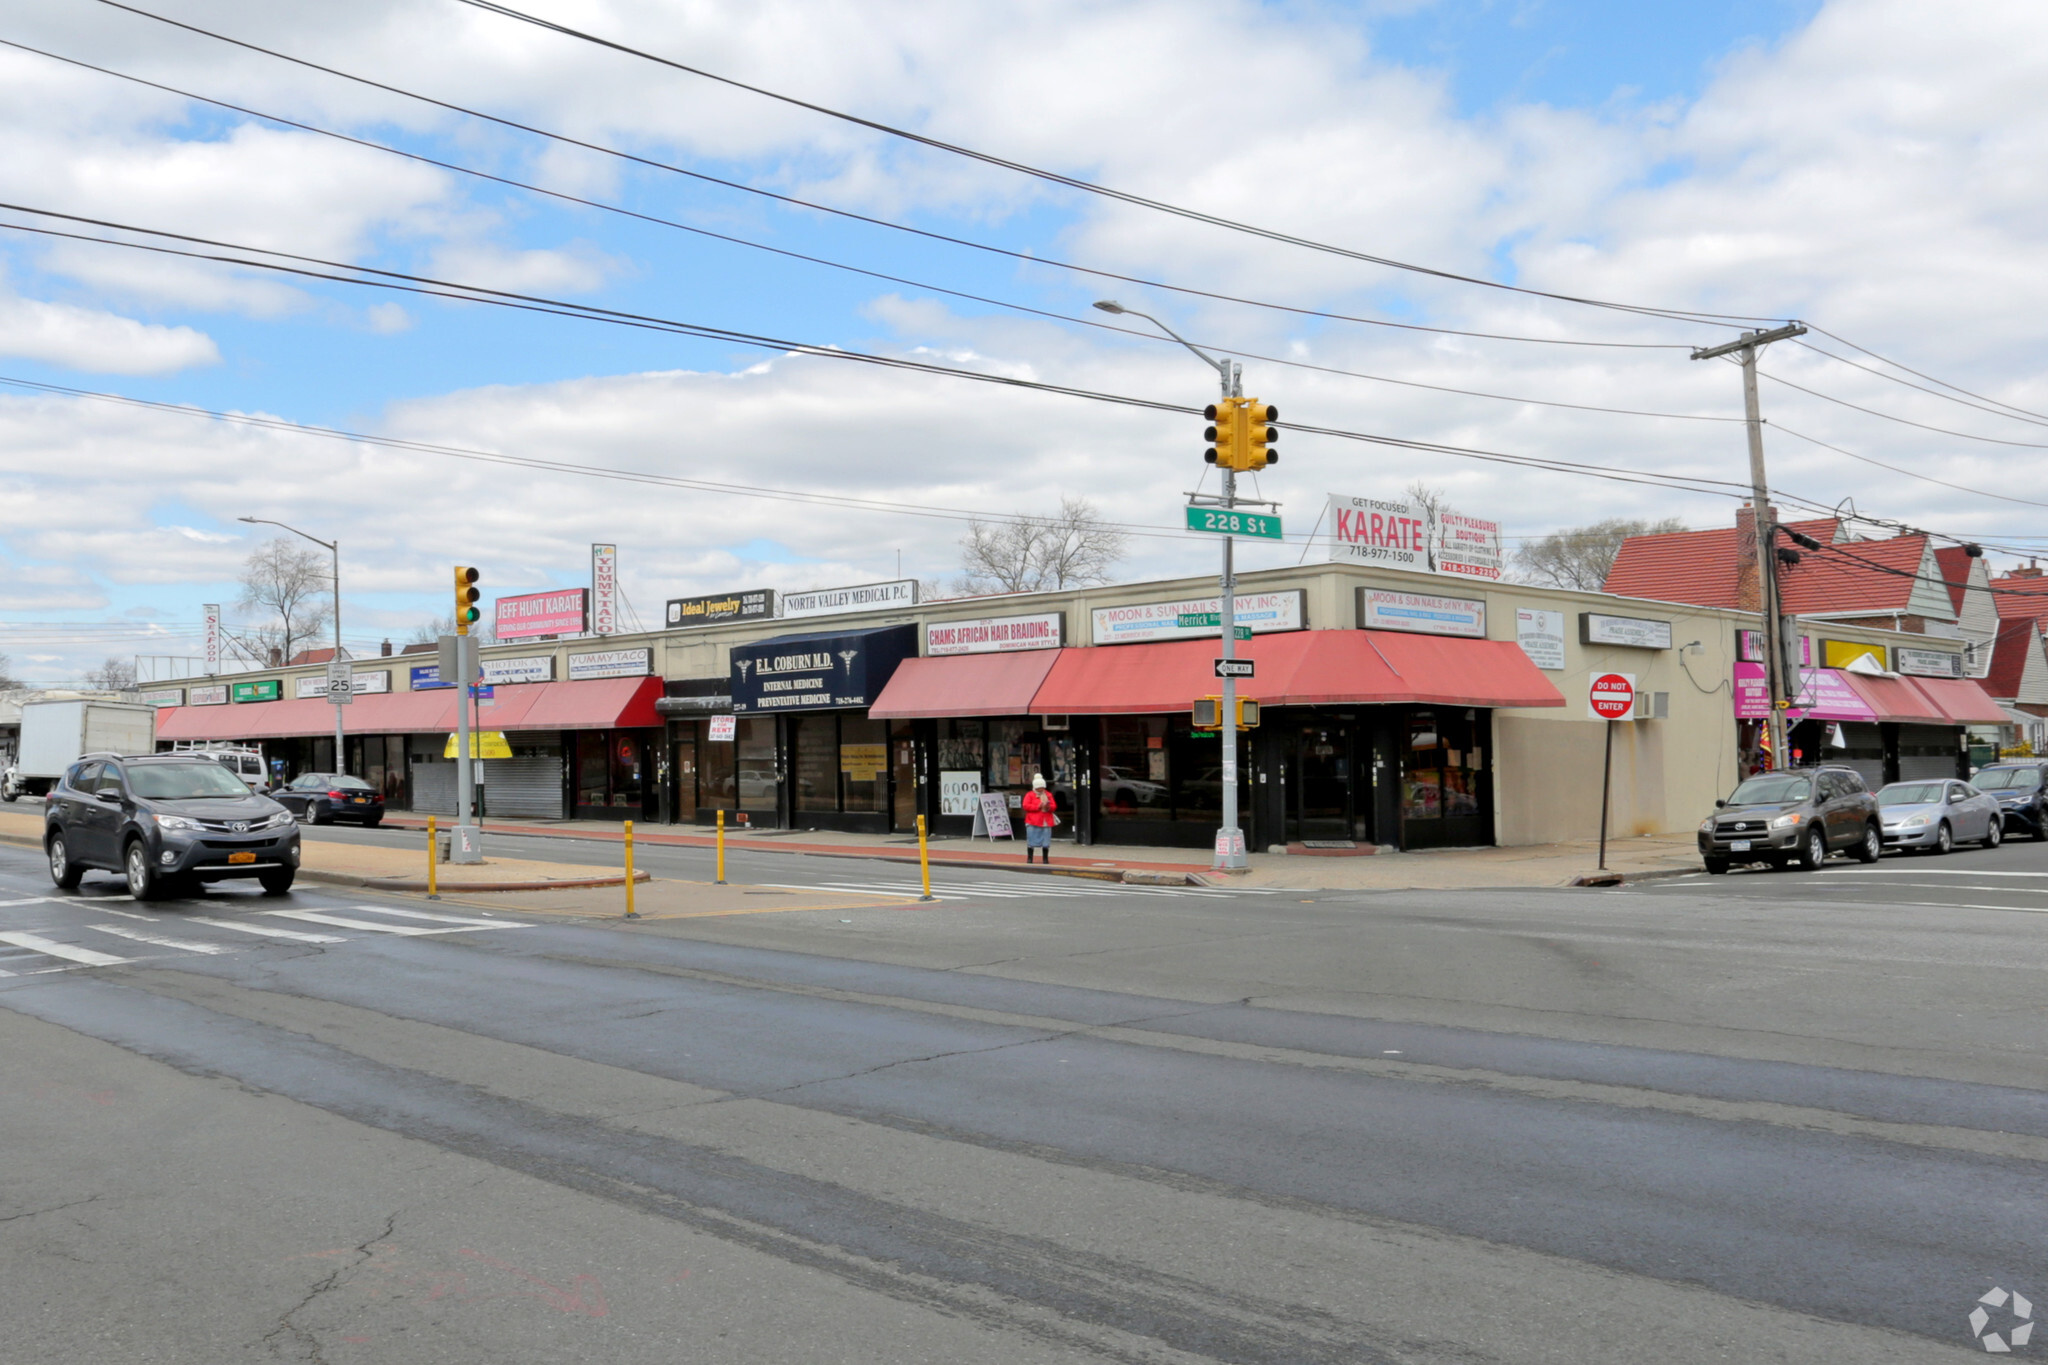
(324,798)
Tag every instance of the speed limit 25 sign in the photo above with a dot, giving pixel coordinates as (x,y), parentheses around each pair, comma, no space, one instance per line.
(1612,696)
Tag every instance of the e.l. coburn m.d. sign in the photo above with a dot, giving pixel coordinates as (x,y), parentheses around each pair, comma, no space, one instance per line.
(818,672)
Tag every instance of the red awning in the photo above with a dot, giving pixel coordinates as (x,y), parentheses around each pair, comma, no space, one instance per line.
(965,685)
(1892,698)
(602,704)
(1962,701)
(1304,668)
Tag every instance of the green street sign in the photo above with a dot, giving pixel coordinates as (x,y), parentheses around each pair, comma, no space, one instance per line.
(1225,522)
(270,689)
(1197,620)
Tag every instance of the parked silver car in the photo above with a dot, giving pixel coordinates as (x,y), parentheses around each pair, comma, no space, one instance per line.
(1938,815)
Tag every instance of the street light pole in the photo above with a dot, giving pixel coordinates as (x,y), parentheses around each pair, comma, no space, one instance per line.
(1229,856)
(333,547)
(1778,667)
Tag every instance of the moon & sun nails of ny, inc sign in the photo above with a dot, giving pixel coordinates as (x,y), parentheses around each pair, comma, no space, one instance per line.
(1258,612)
(1421,613)
(1400,533)
(818,672)
(564,611)
(756,604)
(995,634)
(863,597)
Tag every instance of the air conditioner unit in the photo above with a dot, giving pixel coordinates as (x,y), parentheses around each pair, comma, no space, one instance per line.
(1653,706)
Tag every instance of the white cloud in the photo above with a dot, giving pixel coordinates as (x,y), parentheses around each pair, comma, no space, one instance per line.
(100,342)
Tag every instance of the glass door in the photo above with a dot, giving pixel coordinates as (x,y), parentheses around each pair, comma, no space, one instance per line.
(1319,783)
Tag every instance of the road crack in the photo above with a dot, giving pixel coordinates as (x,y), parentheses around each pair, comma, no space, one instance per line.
(289,1329)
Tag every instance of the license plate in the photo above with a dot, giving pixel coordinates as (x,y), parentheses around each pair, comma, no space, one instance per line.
(1739,846)
(241,857)
(361,800)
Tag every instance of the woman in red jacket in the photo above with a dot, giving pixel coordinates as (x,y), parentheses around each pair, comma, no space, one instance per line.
(1039,818)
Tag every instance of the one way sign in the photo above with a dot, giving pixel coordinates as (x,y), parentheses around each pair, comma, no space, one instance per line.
(1233,668)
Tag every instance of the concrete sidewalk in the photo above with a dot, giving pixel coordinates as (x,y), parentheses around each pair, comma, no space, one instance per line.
(388,869)
(1660,855)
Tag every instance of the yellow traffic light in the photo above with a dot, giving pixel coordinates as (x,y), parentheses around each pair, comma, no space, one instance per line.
(1226,433)
(1208,713)
(1258,436)
(466,598)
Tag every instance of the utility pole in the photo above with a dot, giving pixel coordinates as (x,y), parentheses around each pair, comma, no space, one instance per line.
(1778,666)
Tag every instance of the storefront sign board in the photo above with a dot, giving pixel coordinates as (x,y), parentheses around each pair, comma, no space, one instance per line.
(611,663)
(604,590)
(269,689)
(1823,695)
(1749,646)
(314,685)
(1467,546)
(1630,632)
(755,604)
(721,729)
(212,620)
(991,818)
(1259,612)
(1541,636)
(1421,613)
(960,792)
(425,677)
(1390,532)
(863,762)
(563,611)
(371,680)
(482,744)
(1752,687)
(996,634)
(862,597)
(1927,663)
(532,669)
(818,672)
(1843,653)
(163,696)
(216,695)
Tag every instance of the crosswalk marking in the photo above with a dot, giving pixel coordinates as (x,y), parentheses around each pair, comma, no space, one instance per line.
(49,947)
(182,944)
(444,919)
(266,930)
(344,922)
(1012,891)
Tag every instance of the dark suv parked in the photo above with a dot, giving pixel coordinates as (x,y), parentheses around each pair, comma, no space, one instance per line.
(1802,814)
(164,819)
(2017,788)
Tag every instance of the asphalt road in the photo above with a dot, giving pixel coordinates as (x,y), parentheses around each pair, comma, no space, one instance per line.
(1763,1117)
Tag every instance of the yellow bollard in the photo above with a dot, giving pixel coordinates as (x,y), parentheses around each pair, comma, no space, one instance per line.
(631,913)
(721,848)
(924,860)
(433,862)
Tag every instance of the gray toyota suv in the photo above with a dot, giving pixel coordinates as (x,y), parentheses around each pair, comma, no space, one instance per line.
(160,820)
(1801,815)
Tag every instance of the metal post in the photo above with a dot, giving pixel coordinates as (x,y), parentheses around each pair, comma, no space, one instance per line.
(1777,670)
(721,848)
(433,861)
(924,860)
(340,742)
(1606,781)
(1229,855)
(631,913)
(468,846)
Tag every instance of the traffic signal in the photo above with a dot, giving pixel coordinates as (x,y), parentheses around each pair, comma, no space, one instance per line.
(466,597)
(1208,713)
(1225,434)
(1247,713)
(1259,438)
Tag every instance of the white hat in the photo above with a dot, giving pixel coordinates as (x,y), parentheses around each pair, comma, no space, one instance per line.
(1038,781)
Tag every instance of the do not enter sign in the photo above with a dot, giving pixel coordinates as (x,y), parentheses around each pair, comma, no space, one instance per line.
(1612,696)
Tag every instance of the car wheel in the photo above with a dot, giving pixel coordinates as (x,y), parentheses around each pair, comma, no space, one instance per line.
(373,822)
(276,883)
(63,871)
(2041,829)
(143,882)
(321,814)
(1994,833)
(1814,851)
(1717,867)
(1944,839)
(1872,846)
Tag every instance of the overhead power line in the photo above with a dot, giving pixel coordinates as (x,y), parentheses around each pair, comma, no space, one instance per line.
(1140,333)
(1023,257)
(1865,350)
(1988,405)
(1902,421)
(1090,187)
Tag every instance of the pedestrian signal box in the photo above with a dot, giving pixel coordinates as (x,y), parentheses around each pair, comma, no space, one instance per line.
(1208,713)
(1247,713)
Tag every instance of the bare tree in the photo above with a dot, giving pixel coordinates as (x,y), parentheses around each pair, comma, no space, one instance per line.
(1072,548)
(289,587)
(1580,556)
(428,632)
(7,678)
(115,675)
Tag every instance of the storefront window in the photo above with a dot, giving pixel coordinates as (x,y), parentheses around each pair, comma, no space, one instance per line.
(864,763)
(903,759)
(686,770)
(814,763)
(960,746)
(629,769)
(593,765)
(1133,774)
(1440,766)
(754,754)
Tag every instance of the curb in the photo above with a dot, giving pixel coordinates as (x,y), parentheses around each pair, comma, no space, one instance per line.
(1623,878)
(443,884)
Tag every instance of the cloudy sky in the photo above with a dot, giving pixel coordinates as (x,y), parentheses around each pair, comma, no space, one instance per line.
(1874,167)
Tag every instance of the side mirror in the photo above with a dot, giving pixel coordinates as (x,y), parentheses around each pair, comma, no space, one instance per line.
(112,798)
(1719,804)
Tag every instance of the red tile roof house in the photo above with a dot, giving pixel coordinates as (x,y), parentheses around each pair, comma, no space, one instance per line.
(2018,676)
(1901,583)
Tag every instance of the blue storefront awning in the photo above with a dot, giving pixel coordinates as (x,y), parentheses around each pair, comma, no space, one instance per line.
(824,671)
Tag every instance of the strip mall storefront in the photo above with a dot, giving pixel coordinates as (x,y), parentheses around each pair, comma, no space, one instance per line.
(587,749)
(1890,727)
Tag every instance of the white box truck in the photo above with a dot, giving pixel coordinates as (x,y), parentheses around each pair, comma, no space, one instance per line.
(56,734)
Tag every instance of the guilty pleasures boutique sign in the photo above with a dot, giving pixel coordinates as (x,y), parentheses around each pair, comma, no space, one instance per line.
(1399,533)
(822,672)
